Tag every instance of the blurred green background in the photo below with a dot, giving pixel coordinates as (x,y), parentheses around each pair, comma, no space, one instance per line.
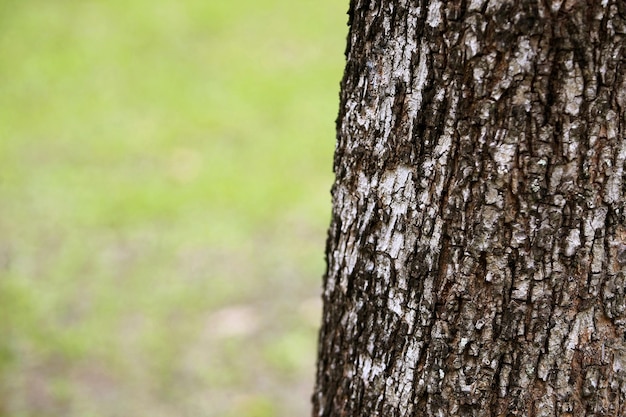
(165,169)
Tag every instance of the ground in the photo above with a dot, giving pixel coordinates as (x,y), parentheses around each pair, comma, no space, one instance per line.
(164,177)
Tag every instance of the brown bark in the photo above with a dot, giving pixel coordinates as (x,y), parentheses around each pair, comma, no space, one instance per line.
(477,251)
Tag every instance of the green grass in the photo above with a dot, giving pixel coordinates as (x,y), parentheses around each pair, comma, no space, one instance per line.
(164,177)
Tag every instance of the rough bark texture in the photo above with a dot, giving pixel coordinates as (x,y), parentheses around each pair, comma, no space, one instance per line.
(477,252)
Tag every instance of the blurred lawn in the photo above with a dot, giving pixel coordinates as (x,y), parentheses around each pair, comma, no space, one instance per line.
(164,177)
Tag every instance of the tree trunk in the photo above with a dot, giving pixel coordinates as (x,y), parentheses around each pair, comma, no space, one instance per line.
(477,251)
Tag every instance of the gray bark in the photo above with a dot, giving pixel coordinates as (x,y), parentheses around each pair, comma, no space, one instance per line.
(477,251)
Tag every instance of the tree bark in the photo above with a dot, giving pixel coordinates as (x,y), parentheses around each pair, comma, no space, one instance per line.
(477,251)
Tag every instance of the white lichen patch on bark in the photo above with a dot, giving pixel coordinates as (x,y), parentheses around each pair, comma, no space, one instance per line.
(570,142)
(434,14)
(395,191)
(415,96)
(385,116)
(524,56)
(520,291)
(392,183)
(476,5)
(399,384)
(572,242)
(520,63)
(472,44)
(523,97)
(614,184)
(573,88)
(582,327)
(595,221)
(504,154)
(395,301)
(555,5)
(369,368)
